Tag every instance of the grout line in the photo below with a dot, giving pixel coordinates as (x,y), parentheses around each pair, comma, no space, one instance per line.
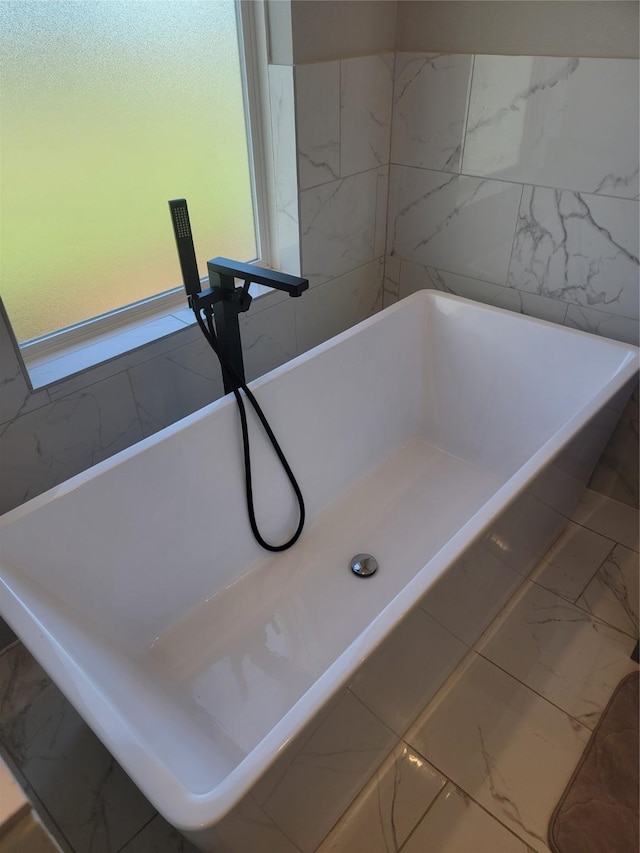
(466,112)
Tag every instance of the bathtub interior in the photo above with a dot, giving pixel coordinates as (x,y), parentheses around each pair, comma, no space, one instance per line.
(142,571)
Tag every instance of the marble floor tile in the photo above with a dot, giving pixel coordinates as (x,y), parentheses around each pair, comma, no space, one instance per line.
(94,804)
(158,836)
(610,518)
(571,563)
(558,650)
(509,749)
(455,824)
(612,594)
(389,808)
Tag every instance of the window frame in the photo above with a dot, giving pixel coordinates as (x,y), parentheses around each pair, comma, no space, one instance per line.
(251,32)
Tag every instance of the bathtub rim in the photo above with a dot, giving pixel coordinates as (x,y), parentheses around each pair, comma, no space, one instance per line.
(190,811)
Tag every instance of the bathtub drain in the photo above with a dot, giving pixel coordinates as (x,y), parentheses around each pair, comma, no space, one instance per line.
(364,565)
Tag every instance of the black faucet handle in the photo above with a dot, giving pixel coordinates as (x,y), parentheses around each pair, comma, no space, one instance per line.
(244,297)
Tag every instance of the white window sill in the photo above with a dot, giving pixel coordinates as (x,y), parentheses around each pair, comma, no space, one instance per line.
(127,337)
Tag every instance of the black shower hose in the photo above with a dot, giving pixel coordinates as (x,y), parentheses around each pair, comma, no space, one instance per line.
(209,333)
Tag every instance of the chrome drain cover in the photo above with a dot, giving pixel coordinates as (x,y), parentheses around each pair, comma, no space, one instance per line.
(364,565)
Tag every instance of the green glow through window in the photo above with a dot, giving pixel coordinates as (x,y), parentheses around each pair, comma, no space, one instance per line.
(109,109)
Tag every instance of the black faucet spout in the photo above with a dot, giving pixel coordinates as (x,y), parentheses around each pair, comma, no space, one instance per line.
(291,284)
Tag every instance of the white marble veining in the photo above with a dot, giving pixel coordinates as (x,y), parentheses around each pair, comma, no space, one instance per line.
(338,224)
(582,249)
(455,824)
(558,650)
(464,225)
(46,446)
(504,745)
(328,772)
(623,329)
(391,280)
(415,277)
(558,122)
(366,85)
(318,122)
(173,385)
(572,561)
(398,680)
(283,132)
(429,109)
(90,799)
(613,593)
(386,812)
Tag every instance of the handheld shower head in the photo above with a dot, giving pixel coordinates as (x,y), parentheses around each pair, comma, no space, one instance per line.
(184,242)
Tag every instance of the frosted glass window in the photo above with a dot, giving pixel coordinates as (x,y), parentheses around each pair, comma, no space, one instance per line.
(109,109)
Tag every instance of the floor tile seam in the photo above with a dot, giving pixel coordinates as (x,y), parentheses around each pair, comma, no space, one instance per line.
(461,788)
(440,793)
(370,778)
(135,834)
(628,632)
(540,695)
(614,545)
(562,600)
(47,819)
(606,535)
(11,646)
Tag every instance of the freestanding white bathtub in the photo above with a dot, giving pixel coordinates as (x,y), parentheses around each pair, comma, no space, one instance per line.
(430,435)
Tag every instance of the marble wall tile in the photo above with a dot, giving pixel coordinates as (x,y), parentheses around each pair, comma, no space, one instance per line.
(558,122)
(416,277)
(582,249)
(613,593)
(455,223)
(429,110)
(391,281)
(176,384)
(509,749)
(318,122)
(51,444)
(283,131)
(382,201)
(93,802)
(558,650)
(366,87)
(601,323)
(386,812)
(336,305)
(338,225)
(268,338)
(78,381)
(328,773)
(456,824)
(401,676)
